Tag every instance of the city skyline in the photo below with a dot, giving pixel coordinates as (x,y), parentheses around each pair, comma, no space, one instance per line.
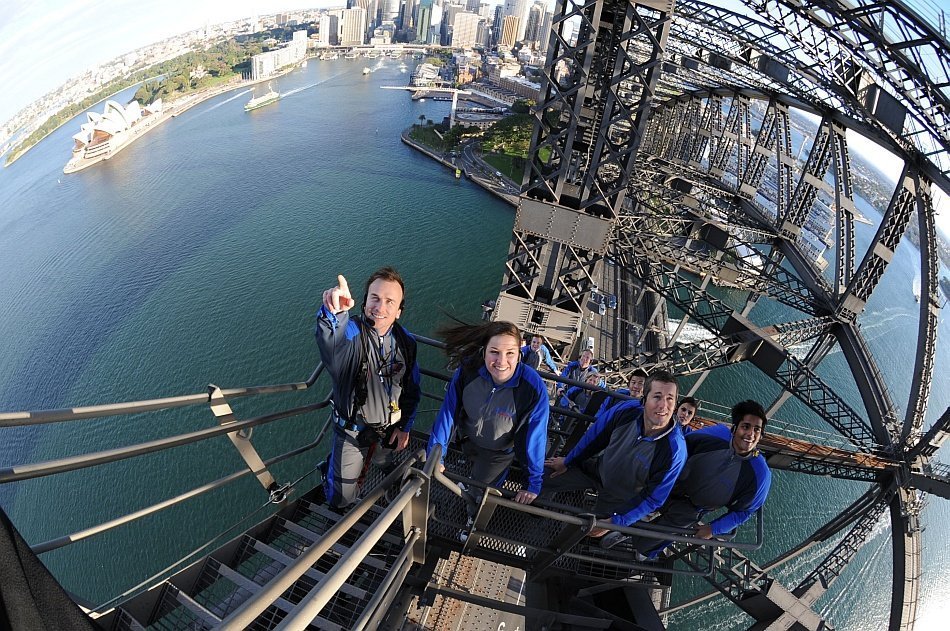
(43,44)
(46,43)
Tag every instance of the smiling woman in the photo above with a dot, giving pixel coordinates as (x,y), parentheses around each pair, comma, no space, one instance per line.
(499,405)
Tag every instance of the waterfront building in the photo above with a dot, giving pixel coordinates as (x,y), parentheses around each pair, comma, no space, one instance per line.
(328,33)
(522,87)
(465,30)
(509,31)
(353,27)
(267,64)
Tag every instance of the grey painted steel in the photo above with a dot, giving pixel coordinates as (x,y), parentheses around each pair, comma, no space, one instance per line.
(65,540)
(50,467)
(244,615)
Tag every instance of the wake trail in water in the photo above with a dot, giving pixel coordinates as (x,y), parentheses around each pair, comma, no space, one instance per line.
(227,100)
(307,87)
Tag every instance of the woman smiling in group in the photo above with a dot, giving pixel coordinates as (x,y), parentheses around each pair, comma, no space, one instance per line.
(499,405)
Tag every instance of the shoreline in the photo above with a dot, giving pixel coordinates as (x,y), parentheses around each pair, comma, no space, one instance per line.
(179,106)
(484,183)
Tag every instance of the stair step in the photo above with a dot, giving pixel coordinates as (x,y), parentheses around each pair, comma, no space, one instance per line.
(125,622)
(177,611)
(315,575)
(194,607)
(337,548)
(323,515)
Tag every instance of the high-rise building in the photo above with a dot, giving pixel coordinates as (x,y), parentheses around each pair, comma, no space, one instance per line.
(496,25)
(483,36)
(509,31)
(388,10)
(518,9)
(329,34)
(423,20)
(448,21)
(465,30)
(533,26)
(546,31)
(354,27)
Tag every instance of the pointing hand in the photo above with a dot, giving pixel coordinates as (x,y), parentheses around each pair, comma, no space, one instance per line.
(337,299)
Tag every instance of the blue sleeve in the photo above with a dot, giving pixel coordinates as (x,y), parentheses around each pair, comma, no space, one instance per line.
(445,420)
(738,516)
(537,439)
(596,438)
(564,371)
(658,487)
(546,358)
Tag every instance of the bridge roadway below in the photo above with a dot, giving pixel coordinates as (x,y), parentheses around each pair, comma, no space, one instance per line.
(626,329)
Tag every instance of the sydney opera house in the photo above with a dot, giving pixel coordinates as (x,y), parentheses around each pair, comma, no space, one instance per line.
(103,135)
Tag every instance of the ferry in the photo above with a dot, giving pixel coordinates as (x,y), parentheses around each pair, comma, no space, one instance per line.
(261,101)
(366,70)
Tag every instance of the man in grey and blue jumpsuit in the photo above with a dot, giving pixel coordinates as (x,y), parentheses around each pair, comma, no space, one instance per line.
(631,456)
(371,360)
(723,469)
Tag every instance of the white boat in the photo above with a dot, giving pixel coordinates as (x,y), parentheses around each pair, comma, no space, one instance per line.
(261,101)
(366,70)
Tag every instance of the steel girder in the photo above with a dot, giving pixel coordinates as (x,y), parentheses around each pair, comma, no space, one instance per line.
(927,320)
(932,439)
(596,95)
(865,42)
(834,563)
(774,361)
(770,58)
(905,548)
(889,234)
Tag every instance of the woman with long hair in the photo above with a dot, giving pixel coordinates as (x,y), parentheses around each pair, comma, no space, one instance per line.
(498,405)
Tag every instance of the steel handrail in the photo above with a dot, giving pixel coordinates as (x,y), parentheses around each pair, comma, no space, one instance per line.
(39,417)
(91,531)
(243,616)
(50,467)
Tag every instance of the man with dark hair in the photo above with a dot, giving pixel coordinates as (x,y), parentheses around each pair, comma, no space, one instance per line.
(685,413)
(631,456)
(371,360)
(723,469)
(634,389)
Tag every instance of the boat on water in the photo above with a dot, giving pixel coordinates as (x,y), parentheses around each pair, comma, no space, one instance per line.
(261,101)
(366,70)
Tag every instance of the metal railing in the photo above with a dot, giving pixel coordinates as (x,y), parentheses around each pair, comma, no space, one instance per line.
(319,596)
(412,502)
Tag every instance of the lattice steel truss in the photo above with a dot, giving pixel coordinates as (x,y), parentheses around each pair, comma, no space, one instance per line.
(677,136)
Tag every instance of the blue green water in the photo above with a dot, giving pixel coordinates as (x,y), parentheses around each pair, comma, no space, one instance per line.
(199,254)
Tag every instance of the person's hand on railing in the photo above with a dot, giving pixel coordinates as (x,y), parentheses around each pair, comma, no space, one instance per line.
(704,532)
(337,299)
(525,497)
(399,438)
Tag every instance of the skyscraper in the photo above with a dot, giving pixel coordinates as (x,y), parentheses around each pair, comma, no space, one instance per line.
(465,30)
(509,31)
(354,27)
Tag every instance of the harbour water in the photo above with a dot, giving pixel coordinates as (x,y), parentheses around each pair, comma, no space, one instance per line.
(199,254)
